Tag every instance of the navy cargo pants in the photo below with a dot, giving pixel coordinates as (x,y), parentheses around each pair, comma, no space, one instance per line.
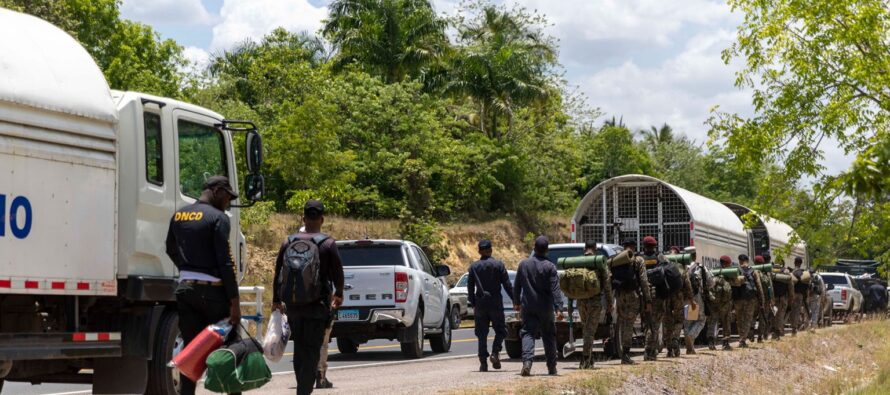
(533,323)
(483,318)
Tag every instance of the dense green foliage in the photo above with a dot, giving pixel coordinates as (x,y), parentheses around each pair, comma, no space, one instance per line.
(399,121)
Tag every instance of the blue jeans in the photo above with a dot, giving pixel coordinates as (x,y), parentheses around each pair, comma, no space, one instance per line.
(534,323)
(693,328)
(495,318)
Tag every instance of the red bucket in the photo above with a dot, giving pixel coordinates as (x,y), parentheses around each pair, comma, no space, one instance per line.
(192,360)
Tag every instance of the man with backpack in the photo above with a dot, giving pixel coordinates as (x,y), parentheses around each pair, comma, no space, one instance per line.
(484,282)
(801,293)
(632,293)
(763,314)
(672,292)
(308,265)
(748,293)
(591,309)
(720,304)
(783,282)
(814,301)
(701,282)
(198,244)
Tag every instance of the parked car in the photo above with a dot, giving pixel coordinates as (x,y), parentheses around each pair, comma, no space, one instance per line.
(458,294)
(846,299)
(513,343)
(392,291)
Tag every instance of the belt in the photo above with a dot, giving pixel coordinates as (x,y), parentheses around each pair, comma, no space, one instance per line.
(202,282)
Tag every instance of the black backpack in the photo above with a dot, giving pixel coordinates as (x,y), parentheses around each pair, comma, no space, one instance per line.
(624,277)
(748,290)
(666,278)
(695,279)
(299,279)
(816,286)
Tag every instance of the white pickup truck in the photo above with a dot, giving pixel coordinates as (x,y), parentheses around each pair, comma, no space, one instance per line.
(392,291)
(846,299)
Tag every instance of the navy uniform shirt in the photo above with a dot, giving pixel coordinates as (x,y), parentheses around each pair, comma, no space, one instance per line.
(490,275)
(537,285)
(198,241)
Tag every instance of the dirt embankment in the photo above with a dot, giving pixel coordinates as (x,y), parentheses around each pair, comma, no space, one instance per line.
(835,360)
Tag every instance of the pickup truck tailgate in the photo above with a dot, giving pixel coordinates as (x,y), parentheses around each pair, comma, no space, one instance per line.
(368,286)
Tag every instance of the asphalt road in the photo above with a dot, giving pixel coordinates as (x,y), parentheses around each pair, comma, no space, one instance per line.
(373,353)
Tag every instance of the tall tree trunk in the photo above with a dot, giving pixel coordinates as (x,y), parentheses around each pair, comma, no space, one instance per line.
(482,117)
(494,126)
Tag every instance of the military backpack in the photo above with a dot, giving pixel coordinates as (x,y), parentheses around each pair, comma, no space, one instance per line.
(579,283)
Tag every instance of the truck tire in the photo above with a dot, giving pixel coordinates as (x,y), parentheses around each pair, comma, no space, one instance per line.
(442,342)
(161,379)
(514,348)
(414,349)
(347,346)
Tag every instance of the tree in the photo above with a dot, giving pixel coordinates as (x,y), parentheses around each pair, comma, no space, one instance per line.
(131,55)
(392,39)
(655,137)
(504,62)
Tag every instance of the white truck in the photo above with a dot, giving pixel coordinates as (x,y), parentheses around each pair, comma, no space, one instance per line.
(89,179)
(846,300)
(392,291)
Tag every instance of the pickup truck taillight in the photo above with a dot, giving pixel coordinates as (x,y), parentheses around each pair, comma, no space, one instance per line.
(843,294)
(401,287)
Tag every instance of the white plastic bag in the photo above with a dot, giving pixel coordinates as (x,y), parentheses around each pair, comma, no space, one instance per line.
(277,335)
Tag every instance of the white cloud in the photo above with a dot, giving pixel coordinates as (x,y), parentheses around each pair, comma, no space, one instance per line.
(242,19)
(159,12)
(198,59)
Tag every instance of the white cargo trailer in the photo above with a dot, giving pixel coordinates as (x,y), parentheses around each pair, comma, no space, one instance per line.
(770,234)
(635,206)
(89,179)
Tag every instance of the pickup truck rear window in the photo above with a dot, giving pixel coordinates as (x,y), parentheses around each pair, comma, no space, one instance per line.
(836,280)
(385,255)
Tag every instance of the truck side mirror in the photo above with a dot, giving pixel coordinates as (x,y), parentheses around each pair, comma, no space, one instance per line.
(255,187)
(442,271)
(254,155)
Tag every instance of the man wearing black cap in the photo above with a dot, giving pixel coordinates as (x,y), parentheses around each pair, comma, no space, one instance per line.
(782,283)
(721,306)
(309,308)
(198,244)
(484,281)
(748,295)
(536,296)
(632,293)
(800,295)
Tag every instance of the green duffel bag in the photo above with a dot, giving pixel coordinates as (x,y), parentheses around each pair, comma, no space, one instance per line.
(237,367)
(579,284)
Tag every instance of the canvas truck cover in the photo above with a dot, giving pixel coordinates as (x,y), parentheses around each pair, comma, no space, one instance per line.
(58,164)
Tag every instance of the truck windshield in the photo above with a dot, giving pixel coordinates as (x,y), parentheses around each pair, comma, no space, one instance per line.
(384,255)
(202,154)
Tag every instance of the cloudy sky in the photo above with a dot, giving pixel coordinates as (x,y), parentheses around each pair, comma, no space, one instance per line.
(648,61)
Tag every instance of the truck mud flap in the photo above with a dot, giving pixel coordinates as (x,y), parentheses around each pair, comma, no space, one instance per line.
(69,345)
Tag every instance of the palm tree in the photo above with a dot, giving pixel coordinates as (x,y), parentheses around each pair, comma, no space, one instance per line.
(392,39)
(656,136)
(503,64)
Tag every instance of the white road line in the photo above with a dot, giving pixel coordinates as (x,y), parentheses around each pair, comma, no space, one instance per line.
(71,393)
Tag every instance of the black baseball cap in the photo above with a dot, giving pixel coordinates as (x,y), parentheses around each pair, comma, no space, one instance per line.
(589,245)
(217,182)
(313,208)
(629,242)
(743,257)
(484,244)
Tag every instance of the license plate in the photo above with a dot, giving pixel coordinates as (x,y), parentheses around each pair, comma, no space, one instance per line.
(347,315)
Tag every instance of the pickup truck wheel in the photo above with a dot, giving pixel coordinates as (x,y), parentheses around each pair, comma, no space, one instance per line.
(514,348)
(442,342)
(455,317)
(414,349)
(161,379)
(347,346)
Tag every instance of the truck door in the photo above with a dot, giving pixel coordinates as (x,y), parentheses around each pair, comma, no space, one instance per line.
(203,151)
(432,289)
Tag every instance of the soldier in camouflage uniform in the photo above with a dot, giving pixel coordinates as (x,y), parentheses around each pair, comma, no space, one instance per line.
(591,309)
(667,311)
(720,304)
(763,315)
(749,292)
(631,287)
(782,294)
(800,295)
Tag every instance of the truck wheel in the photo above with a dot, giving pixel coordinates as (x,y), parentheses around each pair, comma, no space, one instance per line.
(161,379)
(455,317)
(414,349)
(346,346)
(514,348)
(442,342)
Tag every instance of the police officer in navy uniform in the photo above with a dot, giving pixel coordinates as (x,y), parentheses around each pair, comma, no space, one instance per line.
(484,281)
(537,297)
(198,243)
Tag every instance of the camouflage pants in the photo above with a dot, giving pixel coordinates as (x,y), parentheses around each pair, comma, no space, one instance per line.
(628,306)
(796,306)
(781,304)
(667,317)
(744,315)
(591,311)
(719,314)
(764,323)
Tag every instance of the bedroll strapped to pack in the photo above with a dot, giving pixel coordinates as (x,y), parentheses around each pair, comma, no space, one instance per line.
(728,273)
(783,278)
(593,262)
(683,259)
(622,258)
(577,283)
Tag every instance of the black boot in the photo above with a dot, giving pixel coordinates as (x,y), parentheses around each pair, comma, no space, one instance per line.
(712,344)
(321,382)
(726,346)
(526,368)
(551,370)
(586,362)
(483,364)
(495,360)
(625,359)
(743,344)
(651,355)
